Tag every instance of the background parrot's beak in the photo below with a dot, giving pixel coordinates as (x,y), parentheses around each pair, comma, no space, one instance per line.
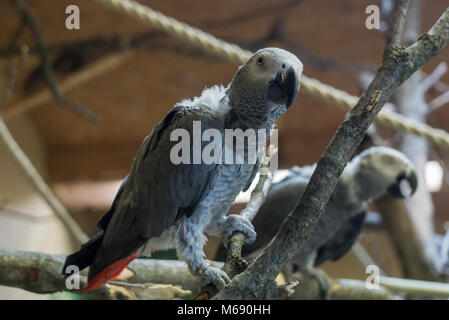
(405,186)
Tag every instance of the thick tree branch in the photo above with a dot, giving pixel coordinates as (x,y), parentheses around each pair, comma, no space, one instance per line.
(41,273)
(397,66)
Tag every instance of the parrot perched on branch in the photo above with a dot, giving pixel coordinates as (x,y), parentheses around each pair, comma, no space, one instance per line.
(164,203)
(372,173)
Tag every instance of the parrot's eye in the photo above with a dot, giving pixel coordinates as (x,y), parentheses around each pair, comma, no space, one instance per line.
(260,60)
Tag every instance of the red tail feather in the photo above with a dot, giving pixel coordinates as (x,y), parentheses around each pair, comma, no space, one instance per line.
(110,272)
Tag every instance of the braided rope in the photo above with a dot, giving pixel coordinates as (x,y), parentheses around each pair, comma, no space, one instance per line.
(235,53)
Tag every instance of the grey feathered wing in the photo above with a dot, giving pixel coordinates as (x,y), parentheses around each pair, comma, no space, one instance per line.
(156,192)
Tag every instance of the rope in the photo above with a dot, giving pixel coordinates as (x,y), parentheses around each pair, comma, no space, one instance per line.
(39,183)
(234,53)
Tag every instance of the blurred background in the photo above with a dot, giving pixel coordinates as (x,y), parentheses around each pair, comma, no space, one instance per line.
(131,75)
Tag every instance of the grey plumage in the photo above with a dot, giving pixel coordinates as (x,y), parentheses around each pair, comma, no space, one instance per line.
(342,241)
(372,173)
(164,205)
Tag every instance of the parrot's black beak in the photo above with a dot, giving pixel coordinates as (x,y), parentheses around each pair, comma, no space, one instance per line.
(405,185)
(291,86)
(284,88)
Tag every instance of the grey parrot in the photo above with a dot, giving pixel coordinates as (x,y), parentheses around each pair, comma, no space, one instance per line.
(164,203)
(367,176)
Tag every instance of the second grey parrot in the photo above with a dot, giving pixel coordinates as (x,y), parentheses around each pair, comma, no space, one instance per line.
(164,203)
(369,175)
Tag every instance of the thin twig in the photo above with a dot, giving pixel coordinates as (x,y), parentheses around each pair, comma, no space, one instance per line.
(439,101)
(416,286)
(234,263)
(340,289)
(397,25)
(434,77)
(7,83)
(83,76)
(46,63)
(363,256)
(10,75)
(15,37)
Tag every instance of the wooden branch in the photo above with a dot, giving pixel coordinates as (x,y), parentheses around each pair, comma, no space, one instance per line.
(341,289)
(41,273)
(397,25)
(398,64)
(406,242)
(39,183)
(416,287)
(83,76)
(434,77)
(7,82)
(363,256)
(349,289)
(439,101)
(9,77)
(31,21)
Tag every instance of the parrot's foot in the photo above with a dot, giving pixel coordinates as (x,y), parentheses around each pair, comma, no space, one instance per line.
(215,276)
(323,281)
(235,223)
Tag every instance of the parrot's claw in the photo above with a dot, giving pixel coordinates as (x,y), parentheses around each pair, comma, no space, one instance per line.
(235,223)
(215,276)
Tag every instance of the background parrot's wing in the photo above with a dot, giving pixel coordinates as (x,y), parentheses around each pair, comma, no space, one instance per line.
(280,201)
(342,241)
